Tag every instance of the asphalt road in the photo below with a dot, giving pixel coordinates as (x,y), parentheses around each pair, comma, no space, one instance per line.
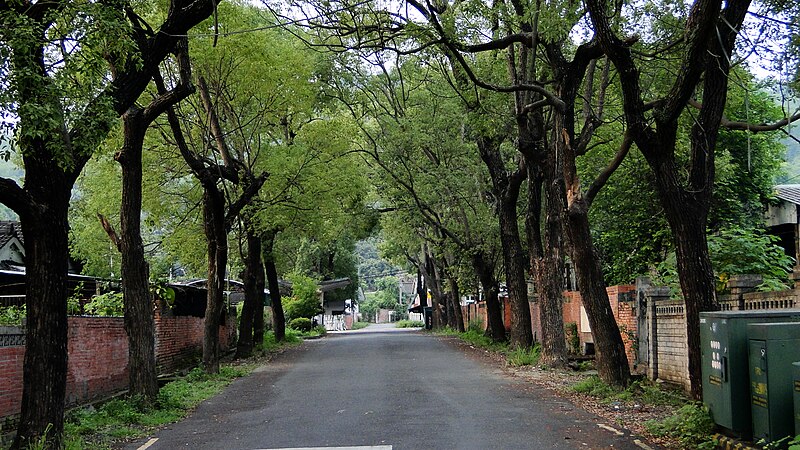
(384,388)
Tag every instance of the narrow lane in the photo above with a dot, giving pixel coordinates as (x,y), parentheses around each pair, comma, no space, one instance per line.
(384,387)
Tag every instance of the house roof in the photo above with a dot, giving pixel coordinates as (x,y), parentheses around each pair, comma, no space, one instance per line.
(788,192)
(329,285)
(8,231)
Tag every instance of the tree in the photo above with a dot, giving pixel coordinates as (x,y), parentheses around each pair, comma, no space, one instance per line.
(706,53)
(65,110)
(139,323)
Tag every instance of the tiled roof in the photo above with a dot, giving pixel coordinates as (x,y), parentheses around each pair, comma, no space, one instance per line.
(8,230)
(788,192)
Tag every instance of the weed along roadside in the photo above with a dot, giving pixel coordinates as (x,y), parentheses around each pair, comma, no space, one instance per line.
(650,411)
(104,425)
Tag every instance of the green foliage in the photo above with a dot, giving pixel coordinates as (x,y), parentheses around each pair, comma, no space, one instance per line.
(692,425)
(12,315)
(524,356)
(640,391)
(745,251)
(359,325)
(573,339)
(270,344)
(476,338)
(304,301)
(409,324)
(108,304)
(300,324)
(127,418)
(595,387)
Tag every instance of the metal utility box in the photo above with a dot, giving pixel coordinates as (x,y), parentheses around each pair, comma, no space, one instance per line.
(773,348)
(796,390)
(723,346)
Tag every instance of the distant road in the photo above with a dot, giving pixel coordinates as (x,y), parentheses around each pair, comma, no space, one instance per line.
(384,388)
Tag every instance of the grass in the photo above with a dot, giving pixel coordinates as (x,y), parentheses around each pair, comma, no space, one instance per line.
(359,325)
(691,425)
(129,418)
(476,338)
(639,391)
(523,357)
(409,324)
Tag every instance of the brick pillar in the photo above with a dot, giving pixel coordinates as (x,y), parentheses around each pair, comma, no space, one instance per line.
(655,294)
(742,284)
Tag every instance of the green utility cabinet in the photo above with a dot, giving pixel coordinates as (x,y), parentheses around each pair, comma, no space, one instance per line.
(796,390)
(723,346)
(772,350)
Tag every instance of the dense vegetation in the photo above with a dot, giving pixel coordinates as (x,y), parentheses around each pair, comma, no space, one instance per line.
(480,144)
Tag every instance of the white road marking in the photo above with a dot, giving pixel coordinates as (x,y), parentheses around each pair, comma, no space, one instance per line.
(366,447)
(611,429)
(147,444)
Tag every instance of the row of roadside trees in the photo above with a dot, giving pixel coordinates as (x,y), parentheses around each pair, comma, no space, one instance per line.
(495,128)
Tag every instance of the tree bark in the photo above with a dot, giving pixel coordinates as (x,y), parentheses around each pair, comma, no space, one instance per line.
(710,38)
(547,260)
(217,236)
(456,318)
(138,301)
(45,363)
(506,192)
(278,317)
(494,328)
(611,360)
(253,295)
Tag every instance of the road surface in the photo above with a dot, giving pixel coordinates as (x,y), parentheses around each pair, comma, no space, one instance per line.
(383,388)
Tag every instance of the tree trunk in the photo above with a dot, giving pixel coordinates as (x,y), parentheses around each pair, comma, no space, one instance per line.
(457,317)
(547,260)
(686,214)
(45,364)
(138,301)
(494,328)
(214,217)
(253,295)
(506,192)
(611,360)
(278,318)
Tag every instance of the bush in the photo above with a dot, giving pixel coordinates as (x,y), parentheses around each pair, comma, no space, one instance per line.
(304,301)
(108,304)
(301,324)
(691,425)
(12,315)
(409,324)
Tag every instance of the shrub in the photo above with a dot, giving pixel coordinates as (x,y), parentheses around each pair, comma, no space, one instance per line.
(108,304)
(304,301)
(409,324)
(691,425)
(12,315)
(573,339)
(301,324)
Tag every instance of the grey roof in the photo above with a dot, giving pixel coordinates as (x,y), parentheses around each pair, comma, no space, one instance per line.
(9,230)
(788,192)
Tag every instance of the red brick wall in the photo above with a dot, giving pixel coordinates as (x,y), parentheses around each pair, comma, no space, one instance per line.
(98,357)
(623,313)
(11,376)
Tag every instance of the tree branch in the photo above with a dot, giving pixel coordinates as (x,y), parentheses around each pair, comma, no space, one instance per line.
(600,181)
